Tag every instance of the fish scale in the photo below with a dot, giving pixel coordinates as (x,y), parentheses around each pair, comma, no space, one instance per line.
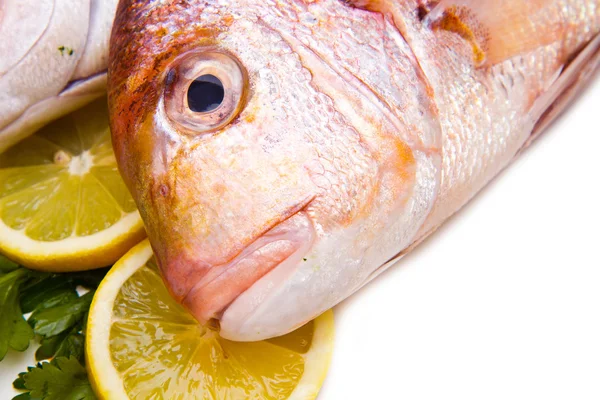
(359,127)
(477,148)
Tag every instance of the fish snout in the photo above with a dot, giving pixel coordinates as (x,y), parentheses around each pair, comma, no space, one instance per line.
(208,288)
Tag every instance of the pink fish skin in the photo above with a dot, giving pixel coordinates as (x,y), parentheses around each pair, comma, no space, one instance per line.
(343,134)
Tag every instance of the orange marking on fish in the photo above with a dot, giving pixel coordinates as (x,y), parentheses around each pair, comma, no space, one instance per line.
(459,21)
(219,189)
(162,32)
(250,117)
(405,161)
(228,20)
(134,82)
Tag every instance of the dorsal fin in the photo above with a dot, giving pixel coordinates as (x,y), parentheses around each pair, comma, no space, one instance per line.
(496,29)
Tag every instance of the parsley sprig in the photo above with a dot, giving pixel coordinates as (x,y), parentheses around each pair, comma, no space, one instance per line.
(61,379)
(57,319)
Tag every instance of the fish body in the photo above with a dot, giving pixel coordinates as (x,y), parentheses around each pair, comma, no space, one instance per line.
(54,60)
(343,134)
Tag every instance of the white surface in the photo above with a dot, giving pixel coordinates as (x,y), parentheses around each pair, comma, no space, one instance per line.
(503,302)
(10,367)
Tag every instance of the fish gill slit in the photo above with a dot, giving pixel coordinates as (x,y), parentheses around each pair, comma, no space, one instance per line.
(393,25)
(344,74)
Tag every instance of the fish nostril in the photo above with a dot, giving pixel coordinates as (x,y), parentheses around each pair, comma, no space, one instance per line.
(205,93)
(163,190)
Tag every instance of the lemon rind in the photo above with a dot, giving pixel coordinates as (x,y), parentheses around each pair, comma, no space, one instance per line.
(75,253)
(317,359)
(99,362)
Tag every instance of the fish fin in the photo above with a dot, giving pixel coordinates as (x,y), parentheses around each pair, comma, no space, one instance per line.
(370,5)
(385,7)
(569,82)
(497,29)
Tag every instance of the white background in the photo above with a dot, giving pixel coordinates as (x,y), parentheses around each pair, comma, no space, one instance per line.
(503,302)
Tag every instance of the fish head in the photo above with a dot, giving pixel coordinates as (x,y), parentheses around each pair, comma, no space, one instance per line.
(274,168)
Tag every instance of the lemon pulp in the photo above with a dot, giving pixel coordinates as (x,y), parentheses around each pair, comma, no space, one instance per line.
(62,183)
(161,352)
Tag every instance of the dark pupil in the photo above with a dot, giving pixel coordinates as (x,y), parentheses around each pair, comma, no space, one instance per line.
(205,93)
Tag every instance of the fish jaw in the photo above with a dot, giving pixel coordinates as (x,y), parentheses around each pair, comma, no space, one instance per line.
(205,220)
(339,262)
(284,244)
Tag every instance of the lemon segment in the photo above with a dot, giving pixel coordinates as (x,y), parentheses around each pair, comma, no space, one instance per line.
(63,204)
(141,344)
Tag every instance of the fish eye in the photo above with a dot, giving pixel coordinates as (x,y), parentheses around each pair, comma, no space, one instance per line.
(204,91)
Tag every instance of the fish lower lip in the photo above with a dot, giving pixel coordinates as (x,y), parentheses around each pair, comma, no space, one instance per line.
(210,296)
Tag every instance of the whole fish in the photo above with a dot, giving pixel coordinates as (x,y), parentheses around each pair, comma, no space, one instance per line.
(284,152)
(54,59)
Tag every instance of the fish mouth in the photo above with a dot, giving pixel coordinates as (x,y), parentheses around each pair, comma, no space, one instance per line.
(287,242)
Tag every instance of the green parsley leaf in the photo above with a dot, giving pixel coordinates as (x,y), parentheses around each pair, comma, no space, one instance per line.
(66,344)
(23,396)
(19,383)
(15,333)
(47,293)
(55,320)
(59,317)
(89,279)
(7,265)
(61,379)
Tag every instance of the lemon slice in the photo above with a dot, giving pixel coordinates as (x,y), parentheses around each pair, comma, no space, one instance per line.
(141,344)
(63,204)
